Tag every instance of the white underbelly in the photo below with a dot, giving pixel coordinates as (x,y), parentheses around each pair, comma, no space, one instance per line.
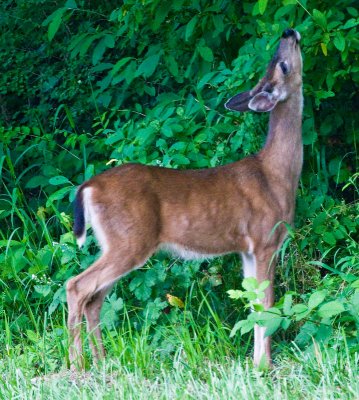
(185,253)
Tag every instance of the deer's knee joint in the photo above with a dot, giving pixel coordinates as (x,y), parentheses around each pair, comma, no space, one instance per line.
(71,287)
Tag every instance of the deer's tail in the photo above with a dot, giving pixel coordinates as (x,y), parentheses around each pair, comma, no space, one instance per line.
(80,219)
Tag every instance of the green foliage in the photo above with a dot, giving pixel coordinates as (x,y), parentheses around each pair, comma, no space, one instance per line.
(321,313)
(89,86)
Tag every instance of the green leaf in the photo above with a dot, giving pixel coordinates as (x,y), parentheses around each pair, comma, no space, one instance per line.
(162,10)
(309,137)
(251,296)
(180,159)
(320,19)
(206,78)
(339,41)
(316,298)
(324,332)
(58,195)
(150,277)
(89,172)
(250,284)
(299,308)
(263,285)
(44,290)
(329,238)
(190,27)
(319,220)
(262,5)
(287,305)
(148,66)
(353,11)
(286,323)
(259,307)
(143,292)
(306,333)
(120,64)
(31,335)
(206,53)
(85,44)
(331,309)
(58,180)
(59,298)
(300,311)
(69,116)
(272,326)
(245,326)
(235,294)
(136,282)
(146,135)
(172,65)
(269,314)
(35,181)
(71,4)
(55,23)
(351,23)
(110,41)
(98,51)
(324,48)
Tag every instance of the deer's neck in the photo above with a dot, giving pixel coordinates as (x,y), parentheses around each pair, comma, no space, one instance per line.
(282,154)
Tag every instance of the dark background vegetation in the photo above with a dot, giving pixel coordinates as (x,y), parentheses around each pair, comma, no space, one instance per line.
(86,85)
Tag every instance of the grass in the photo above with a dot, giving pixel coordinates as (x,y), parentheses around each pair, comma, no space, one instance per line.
(189,362)
(210,381)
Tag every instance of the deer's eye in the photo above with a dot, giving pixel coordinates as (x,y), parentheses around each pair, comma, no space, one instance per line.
(284,67)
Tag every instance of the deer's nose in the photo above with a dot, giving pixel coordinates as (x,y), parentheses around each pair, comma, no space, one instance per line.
(288,32)
(291,32)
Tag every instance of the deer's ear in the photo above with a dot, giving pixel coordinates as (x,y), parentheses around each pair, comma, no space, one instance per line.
(263,102)
(239,102)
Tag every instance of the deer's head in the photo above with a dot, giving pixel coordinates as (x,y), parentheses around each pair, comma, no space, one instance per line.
(282,79)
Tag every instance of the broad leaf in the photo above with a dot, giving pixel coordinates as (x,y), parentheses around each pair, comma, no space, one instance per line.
(331,309)
(206,53)
(56,19)
(250,284)
(316,298)
(58,180)
(339,41)
(148,66)
(262,5)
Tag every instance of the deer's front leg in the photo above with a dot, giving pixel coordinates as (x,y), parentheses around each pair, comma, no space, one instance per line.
(264,271)
(261,265)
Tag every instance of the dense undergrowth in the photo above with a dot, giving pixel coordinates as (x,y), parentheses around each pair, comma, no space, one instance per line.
(101,85)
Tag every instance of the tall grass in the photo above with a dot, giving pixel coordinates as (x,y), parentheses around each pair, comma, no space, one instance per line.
(195,363)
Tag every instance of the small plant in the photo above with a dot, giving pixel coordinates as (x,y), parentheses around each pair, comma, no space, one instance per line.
(318,315)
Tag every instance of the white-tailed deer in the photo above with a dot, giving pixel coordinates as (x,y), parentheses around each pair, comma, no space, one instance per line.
(135,209)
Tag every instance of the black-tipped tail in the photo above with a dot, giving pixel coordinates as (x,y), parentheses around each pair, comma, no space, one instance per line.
(79,214)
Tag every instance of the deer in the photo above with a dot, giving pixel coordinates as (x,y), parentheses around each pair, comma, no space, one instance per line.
(135,210)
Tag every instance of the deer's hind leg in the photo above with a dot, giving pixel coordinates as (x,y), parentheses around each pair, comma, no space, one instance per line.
(86,293)
(92,314)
